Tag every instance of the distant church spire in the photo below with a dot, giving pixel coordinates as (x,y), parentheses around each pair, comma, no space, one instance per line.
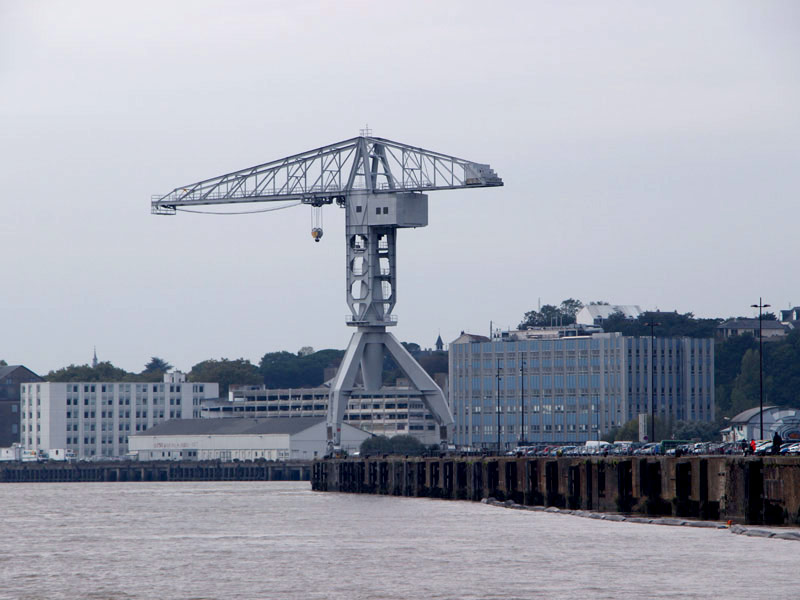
(439,343)
(94,359)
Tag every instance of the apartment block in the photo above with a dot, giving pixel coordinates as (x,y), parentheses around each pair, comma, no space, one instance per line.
(94,419)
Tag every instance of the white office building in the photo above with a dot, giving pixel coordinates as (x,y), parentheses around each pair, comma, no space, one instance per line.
(94,419)
(575,388)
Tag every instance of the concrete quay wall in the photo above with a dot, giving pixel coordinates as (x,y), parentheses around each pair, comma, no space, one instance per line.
(50,472)
(753,490)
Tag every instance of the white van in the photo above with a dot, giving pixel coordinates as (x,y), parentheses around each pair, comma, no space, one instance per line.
(598,444)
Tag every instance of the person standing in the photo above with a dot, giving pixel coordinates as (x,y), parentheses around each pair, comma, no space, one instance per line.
(777,442)
(752,446)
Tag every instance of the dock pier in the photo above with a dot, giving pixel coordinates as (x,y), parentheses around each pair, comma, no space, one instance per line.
(752,490)
(53,472)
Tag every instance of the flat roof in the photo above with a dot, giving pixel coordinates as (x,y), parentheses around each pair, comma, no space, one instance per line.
(233,426)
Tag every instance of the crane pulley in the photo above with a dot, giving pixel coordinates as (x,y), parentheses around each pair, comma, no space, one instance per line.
(316,223)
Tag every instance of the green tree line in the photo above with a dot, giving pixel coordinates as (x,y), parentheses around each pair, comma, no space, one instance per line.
(275,369)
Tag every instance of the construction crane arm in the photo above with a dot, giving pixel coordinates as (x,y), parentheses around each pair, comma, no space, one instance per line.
(328,174)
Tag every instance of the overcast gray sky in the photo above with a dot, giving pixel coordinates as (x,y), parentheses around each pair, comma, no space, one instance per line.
(649,153)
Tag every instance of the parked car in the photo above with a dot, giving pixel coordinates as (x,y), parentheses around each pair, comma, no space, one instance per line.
(763,447)
(793,448)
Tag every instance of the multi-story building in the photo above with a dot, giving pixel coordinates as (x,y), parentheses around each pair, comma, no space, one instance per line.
(393,411)
(11,378)
(94,419)
(573,388)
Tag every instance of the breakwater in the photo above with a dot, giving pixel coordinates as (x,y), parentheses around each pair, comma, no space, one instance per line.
(15,472)
(753,490)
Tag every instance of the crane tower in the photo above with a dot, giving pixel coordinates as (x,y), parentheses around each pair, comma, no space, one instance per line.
(382,186)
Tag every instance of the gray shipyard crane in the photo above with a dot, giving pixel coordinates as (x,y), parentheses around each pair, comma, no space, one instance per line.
(382,186)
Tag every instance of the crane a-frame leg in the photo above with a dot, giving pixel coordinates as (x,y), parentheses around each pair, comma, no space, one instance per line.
(365,353)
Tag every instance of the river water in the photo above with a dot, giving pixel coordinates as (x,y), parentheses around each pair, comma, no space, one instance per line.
(243,540)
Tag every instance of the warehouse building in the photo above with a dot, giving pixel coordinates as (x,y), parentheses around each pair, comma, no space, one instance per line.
(241,438)
(783,420)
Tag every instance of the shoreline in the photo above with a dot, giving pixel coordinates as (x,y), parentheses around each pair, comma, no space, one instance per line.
(790,534)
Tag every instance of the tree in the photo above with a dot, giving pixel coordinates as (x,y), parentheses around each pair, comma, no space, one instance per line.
(629,432)
(671,324)
(155,369)
(432,361)
(104,371)
(157,364)
(746,390)
(435,362)
(399,444)
(225,372)
(287,370)
(548,315)
(696,430)
(412,347)
(3,363)
(408,445)
(305,351)
(570,307)
(379,444)
(782,371)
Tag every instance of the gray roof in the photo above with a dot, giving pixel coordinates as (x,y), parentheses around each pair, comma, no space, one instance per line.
(746,415)
(470,337)
(6,371)
(233,426)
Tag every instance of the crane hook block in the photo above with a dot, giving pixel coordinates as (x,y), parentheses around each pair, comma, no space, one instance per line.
(316,233)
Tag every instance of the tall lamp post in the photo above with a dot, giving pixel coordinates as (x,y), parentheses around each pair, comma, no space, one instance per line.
(522,441)
(760,306)
(652,325)
(498,405)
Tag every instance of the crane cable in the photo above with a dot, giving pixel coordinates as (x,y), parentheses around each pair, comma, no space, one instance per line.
(243,212)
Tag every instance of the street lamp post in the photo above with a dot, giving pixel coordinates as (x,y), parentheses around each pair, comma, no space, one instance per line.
(760,306)
(652,324)
(498,405)
(522,440)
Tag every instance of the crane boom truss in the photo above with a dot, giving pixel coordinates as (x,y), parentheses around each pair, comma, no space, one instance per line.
(330,173)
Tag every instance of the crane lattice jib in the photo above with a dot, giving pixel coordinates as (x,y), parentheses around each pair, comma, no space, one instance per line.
(330,173)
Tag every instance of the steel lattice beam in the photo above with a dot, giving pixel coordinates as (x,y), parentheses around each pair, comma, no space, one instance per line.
(330,173)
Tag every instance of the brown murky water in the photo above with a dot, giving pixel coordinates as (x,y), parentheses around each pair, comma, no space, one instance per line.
(241,540)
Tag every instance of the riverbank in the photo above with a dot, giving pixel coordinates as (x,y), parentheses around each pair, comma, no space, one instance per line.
(793,535)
